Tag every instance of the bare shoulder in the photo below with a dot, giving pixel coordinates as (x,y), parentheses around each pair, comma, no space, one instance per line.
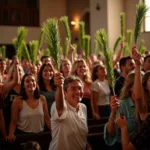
(17,100)
(42,98)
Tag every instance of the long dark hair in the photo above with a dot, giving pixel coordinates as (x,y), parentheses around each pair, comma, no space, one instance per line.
(23,93)
(41,80)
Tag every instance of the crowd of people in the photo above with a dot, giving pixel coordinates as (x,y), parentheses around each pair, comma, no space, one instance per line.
(34,98)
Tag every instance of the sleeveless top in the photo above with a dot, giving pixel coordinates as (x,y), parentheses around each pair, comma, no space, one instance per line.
(7,109)
(31,120)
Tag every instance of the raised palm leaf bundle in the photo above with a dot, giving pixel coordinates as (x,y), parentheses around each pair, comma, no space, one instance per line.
(25,52)
(18,42)
(95,47)
(82,33)
(129,38)
(107,55)
(142,48)
(40,42)
(126,49)
(64,20)
(141,10)
(122,23)
(53,40)
(3,51)
(86,39)
(33,45)
(117,43)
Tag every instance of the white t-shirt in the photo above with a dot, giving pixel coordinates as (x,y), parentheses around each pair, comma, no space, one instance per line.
(103,90)
(69,131)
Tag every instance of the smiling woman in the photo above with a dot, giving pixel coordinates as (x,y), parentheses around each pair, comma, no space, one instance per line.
(31,109)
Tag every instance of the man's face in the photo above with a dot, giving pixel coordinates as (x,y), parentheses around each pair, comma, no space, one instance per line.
(74,93)
(146,64)
(130,65)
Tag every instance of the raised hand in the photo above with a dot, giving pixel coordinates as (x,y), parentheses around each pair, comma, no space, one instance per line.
(114,105)
(136,56)
(121,122)
(58,79)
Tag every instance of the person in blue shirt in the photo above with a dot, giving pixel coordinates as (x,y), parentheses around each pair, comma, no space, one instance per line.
(124,107)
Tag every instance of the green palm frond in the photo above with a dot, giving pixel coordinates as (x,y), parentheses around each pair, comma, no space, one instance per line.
(126,50)
(26,54)
(129,38)
(40,42)
(17,42)
(141,10)
(33,50)
(86,39)
(64,20)
(47,52)
(107,55)
(53,40)
(117,43)
(122,23)
(142,48)
(67,46)
(95,47)
(82,33)
(3,51)
(75,48)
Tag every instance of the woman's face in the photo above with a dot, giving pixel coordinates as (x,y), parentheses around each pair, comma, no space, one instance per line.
(47,73)
(29,83)
(66,67)
(101,71)
(81,69)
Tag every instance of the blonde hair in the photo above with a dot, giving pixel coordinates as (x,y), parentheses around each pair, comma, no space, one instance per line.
(87,77)
(129,81)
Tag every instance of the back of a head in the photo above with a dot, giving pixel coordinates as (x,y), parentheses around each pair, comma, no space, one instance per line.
(31,145)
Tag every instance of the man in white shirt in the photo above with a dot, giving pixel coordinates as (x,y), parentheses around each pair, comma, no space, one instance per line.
(68,116)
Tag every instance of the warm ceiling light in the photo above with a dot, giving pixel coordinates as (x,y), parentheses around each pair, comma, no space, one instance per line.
(73,23)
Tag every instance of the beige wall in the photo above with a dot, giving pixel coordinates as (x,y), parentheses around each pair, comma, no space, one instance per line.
(114,8)
(98,18)
(48,8)
(130,9)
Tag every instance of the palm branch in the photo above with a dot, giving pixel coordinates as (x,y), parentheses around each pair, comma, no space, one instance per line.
(129,38)
(108,55)
(95,47)
(25,51)
(126,49)
(142,48)
(122,22)
(33,50)
(3,51)
(82,33)
(64,20)
(52,39)
(141,10)
(117,43)
(17,42)
(40,42)
(86,39)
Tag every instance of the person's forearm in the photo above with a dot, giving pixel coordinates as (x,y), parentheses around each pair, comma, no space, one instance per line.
(125,138)
(2,127)
(12,128)
(111,129)
(59,98)
(48,123)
